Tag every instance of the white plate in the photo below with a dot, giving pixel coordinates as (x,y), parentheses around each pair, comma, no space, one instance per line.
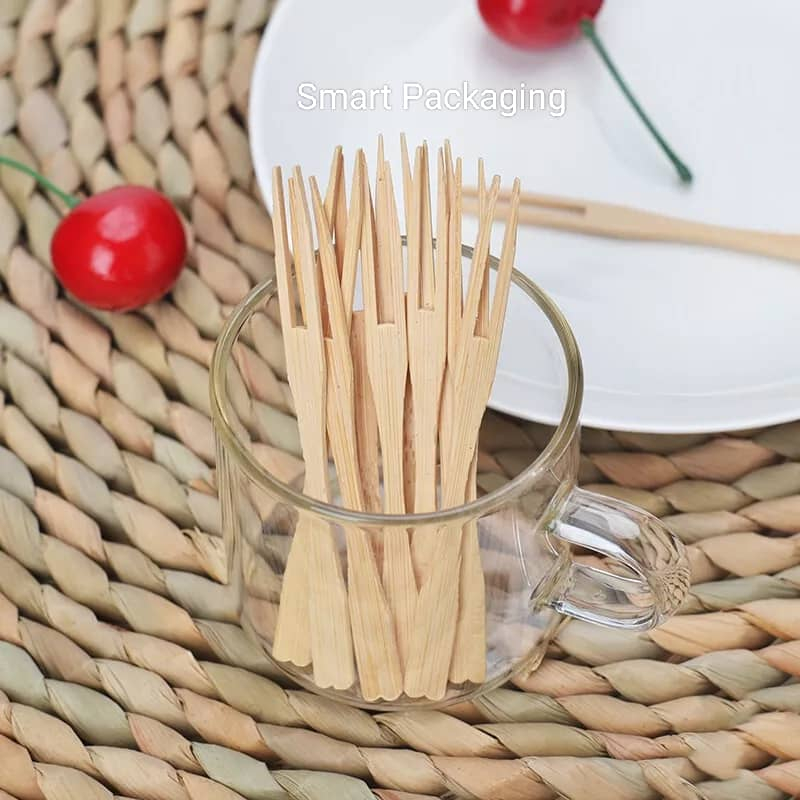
(674,338)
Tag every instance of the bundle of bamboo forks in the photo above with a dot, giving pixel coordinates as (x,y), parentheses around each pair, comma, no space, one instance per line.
(395,393)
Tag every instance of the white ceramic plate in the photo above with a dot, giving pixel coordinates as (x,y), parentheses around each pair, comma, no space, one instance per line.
(674,338)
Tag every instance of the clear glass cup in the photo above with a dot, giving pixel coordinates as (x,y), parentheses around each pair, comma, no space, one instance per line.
(536,547)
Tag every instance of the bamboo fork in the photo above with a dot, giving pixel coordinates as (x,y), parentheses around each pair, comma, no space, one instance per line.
(293,627)
(409,456)
(469,648)
(624,222)
(475,359)
(454,296)
(314,549)
(426,308)
(348,247)
(366,421)
(387,366)
(374,643)
(336,206)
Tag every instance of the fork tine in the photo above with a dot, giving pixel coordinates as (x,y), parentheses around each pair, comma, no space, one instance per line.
(448,161)
(305,262)
(454,273)
(294,223)
(442,225)
(505,268)
(352,240)
(478,267)
(331,288)
(389,278)
(379,166)
(336,204)
(408,180)
(426,235)
(369,247)
(283,259)
(482,325)
(413,235)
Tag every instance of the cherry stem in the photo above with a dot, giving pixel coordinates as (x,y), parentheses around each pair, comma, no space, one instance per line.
(589,31)
(69,199)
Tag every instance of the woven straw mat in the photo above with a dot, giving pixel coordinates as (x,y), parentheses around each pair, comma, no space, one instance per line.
(122,672)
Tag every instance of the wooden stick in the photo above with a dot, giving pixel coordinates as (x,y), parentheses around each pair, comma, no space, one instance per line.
(374,642)
(426,307)
(331,644)
(624,222)
(387,364)
(475,359)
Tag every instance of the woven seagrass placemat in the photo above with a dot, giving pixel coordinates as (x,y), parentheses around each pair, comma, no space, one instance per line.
(121,669)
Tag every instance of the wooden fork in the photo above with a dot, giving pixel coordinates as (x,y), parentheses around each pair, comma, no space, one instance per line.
(387,364)
(625,222)
(468,663)
(313,567)
(377,658)
(475,359)
(426,307)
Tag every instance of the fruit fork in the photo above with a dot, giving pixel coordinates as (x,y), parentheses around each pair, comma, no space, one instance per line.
(374,644)
(475,360)
(426,308)
(313,622)
(387,366)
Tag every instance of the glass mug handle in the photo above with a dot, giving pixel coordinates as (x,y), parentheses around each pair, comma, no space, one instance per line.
(646,576)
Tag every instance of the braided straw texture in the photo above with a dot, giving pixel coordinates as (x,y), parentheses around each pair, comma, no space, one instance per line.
(122,671)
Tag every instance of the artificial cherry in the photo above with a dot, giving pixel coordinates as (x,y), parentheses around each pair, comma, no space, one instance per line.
(117,250)
(544,23)
(537,23)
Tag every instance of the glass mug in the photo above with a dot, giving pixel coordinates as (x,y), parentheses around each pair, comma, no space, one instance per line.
(543,547)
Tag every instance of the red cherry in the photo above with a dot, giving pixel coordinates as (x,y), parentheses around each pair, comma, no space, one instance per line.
(120,249)
(537,23)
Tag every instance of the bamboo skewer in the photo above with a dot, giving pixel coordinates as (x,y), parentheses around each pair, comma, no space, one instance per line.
(374,643)
(327,609)
(387,365)
(475,360)
(625,222)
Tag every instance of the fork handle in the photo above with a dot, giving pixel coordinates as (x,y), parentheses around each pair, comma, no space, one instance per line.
(624,222)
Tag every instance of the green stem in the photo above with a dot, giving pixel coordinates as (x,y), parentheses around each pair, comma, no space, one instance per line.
(589,31)
(69,199)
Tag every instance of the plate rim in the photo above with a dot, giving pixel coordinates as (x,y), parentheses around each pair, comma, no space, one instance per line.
(709,423)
